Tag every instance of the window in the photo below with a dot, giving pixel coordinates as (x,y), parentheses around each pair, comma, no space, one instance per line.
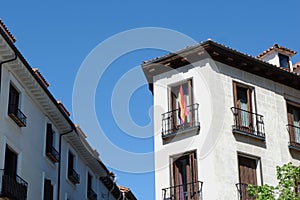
(90,193)
(51,152)
(72,174)
(284,61)
(10,164)
(183,113)
(13,107)
(181,102)
(294,124)
(243,104)
(247,175)
(48,190)
(185,177)
(246,120)
(13,186)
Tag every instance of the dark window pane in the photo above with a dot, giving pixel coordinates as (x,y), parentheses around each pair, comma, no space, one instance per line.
(284,61)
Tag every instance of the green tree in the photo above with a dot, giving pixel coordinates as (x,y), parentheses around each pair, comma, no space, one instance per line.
(288,177)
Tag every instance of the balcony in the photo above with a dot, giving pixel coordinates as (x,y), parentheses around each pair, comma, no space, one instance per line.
(294,132)
(15,113)
(92,195)
(248,124)
(171,125)
(52,154)
(73,176)
(190,191)
(242,192)
(12,187)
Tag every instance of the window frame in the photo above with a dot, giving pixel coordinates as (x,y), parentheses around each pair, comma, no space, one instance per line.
(291,127)
(280,56)
(251,107)
(173,101)
(192,174)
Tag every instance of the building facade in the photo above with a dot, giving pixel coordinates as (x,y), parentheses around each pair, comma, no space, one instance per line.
(43,154)
(222,120)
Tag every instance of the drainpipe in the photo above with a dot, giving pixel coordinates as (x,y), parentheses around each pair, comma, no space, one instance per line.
(59,163)
(6,61)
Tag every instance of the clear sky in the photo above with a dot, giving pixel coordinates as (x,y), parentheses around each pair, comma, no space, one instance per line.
(56,37)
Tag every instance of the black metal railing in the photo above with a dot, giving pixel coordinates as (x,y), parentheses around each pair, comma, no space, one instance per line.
(92,195)
(15,113)
(171,123)
(190,191)
(52,153)
(243,192)
(294,132)
(73,176)
(12,186)
(248,123)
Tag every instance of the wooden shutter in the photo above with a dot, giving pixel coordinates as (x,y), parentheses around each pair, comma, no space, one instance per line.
(247,170)
(291,122)
(236,103)
(190,179)
(194,173)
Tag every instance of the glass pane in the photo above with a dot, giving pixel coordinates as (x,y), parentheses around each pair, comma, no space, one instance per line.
(296,124)
(284,61)
(243,97)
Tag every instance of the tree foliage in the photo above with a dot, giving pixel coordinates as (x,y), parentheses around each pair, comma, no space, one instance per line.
(288,177)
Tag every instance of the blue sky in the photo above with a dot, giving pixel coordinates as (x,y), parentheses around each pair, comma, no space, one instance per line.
(56,36)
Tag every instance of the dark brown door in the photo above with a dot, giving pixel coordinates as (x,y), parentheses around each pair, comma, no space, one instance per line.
(247,174)
(185,177)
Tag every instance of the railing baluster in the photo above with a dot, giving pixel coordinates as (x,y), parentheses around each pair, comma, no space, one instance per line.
(294,132)
(13,186)
(248,123)
(191,191)
(170,120)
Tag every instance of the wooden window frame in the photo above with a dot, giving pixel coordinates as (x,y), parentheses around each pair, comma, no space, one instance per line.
(280,55)
(173,97)
(290,116)
(191,169)
(251,105)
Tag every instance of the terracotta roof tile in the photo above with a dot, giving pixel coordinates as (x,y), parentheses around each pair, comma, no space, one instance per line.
(8,33)
(277,47)
(40,76)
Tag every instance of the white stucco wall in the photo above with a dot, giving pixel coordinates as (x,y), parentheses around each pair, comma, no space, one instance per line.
(217,148)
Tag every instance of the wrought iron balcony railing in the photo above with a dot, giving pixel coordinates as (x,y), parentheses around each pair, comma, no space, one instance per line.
(171,124)
(12,186)
(52,153)
(15,113)
(294,132)
(248,123)
(242,192)
(73,176)
(190,191)
(92,195)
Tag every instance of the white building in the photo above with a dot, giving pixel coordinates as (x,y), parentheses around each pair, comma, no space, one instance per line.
(242,120)
(43,155)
